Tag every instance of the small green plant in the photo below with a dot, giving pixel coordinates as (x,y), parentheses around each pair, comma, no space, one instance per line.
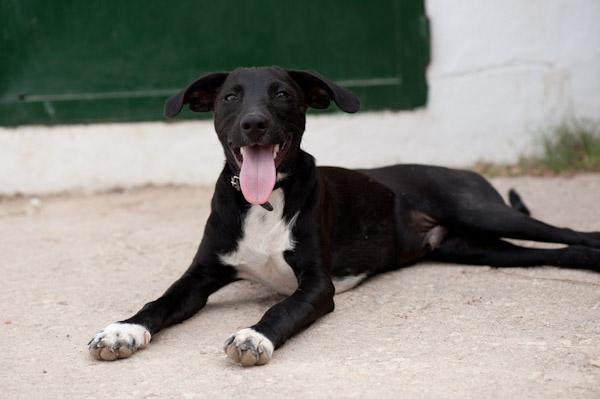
(570,147)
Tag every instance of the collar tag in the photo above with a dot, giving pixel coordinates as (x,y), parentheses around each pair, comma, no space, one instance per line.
(235,182)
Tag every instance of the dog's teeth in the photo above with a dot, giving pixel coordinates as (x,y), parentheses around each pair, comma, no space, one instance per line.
(275,150)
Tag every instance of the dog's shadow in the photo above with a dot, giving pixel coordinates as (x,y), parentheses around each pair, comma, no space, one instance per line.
(245,296)
(242,294)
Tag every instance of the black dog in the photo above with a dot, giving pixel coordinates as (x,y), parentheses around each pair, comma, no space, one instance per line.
(310,232)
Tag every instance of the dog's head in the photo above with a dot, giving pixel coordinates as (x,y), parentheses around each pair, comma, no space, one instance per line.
(259,116)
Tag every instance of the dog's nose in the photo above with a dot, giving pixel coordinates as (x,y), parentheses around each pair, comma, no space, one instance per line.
(254,125)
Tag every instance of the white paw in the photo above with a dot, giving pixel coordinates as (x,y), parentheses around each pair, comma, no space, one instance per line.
(118,341)
(248,348)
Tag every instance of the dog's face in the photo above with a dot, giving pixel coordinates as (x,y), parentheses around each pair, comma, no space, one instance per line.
(259,117)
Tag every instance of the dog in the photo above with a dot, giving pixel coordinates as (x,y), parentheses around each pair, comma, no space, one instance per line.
(310,232)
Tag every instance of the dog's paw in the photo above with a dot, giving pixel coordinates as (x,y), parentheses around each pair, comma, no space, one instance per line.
(248,348)
(118,341)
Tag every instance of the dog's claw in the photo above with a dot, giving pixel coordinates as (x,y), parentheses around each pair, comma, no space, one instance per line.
(227,342)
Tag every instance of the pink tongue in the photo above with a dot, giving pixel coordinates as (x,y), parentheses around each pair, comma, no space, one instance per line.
(257,177)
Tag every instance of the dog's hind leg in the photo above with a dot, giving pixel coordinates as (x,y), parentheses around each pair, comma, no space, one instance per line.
(499,253)
(499,220)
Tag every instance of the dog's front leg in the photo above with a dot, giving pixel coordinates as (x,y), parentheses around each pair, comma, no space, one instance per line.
(182,300)
(313,298)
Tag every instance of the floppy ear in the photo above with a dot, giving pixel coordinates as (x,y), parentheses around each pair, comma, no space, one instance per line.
(319,91)
(199,95)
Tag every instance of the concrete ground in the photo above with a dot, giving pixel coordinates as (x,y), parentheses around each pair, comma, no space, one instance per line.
(72,264)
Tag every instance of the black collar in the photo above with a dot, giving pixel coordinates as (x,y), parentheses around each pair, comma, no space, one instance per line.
(235,183)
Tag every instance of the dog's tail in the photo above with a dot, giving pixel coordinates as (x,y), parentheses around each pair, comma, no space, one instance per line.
(517,203)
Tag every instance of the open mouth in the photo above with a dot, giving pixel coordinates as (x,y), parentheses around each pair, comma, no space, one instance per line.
(258,168)
(277,150)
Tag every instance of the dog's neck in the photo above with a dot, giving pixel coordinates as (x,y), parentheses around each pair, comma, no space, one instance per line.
(298,182)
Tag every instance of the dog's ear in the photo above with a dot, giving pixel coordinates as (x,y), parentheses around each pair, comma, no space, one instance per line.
(319,91)
(199,95)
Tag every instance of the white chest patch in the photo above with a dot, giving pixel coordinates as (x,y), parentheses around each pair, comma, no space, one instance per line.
(259,253)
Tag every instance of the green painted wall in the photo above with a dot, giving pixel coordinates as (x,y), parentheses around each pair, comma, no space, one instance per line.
(68,61)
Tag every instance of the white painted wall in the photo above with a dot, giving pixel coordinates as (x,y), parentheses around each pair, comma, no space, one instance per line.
(501,72)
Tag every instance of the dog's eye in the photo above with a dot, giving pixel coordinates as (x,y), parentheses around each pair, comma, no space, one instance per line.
(230,97)
(282,94)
